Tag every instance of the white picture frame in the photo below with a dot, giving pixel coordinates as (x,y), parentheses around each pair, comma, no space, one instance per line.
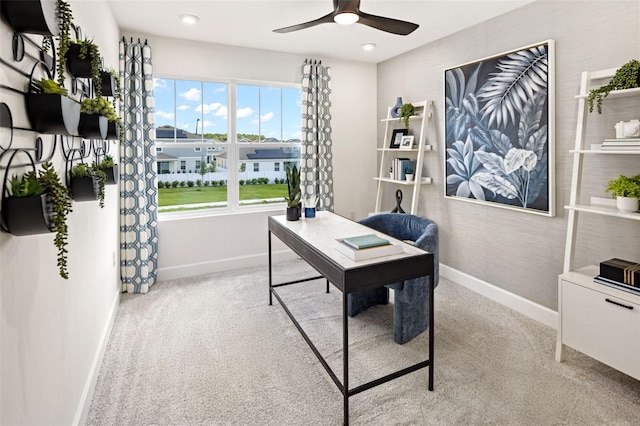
(406,142)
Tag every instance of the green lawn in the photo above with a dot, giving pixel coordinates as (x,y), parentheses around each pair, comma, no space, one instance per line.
(208,194)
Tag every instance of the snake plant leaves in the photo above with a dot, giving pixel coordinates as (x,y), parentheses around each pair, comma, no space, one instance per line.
(521,76)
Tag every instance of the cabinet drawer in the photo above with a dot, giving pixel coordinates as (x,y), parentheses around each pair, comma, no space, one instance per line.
(596,324)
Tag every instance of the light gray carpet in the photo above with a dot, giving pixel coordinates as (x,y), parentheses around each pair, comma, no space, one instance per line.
(209,350)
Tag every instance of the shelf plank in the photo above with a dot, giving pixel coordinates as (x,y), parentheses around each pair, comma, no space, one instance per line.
(426,148)
(605,152)
(584,277)
(604,211)
(616,93)
(424,181)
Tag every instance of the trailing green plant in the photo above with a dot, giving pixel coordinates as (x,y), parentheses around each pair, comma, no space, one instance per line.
(107,162)
(118,87)
(293,186)
(625,77)
(99,106)
(88,49)
(95,172)
(50,87)
(406,111)
(64,38)
(624,186)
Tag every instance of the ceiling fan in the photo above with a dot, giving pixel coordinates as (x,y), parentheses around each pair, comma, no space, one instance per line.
(348,12)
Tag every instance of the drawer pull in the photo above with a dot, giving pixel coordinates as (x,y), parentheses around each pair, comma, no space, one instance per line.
(619,304)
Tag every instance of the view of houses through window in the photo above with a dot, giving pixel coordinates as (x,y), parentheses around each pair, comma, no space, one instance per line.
(200,167)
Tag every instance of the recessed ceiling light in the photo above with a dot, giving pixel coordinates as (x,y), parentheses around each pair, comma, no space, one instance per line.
(189,19)
(346,18)
(368,46)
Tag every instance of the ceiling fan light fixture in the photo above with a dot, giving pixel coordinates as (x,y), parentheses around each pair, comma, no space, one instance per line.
(189,19)
(368,47)
(346,18)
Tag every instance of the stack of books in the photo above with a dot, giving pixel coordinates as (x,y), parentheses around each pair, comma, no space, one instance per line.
(620,274)
(400,167)
(626,144)
(368,246)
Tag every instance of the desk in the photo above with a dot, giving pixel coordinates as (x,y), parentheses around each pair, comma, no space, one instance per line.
(313,240)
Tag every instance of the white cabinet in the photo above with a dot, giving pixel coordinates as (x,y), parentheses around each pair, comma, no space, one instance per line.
(387,184)
(600,321)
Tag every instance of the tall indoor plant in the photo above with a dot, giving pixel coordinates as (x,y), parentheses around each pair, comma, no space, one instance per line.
(294,192)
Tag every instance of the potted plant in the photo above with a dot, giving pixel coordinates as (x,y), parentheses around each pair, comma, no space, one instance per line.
(83,60)
(408,173)
(110,168)
(627,191)
(294,192)
(31,16)
(39,203)
(96,114)
(626,77)
(87,183)
(50,110)
(406,111)
(110,83)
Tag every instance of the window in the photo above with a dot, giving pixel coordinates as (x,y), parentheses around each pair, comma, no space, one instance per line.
(264,123)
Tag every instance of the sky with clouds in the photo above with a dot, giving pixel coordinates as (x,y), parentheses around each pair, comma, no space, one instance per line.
(269,111)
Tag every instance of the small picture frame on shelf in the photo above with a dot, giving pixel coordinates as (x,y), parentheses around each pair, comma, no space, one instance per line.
(406,142)
(396,137)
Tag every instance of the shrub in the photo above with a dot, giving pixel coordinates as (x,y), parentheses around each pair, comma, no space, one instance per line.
(160,184)
(183,184)
(198,182)
(241,181)
(190,183)
(206,183)
(175,184)
(222,182)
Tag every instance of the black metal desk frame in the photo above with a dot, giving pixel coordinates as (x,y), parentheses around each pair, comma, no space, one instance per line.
(347,281)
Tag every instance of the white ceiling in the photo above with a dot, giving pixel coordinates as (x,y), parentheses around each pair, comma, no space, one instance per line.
(249,23)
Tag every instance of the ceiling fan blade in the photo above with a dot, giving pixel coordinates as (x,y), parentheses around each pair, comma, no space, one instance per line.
(390,25)
(325,19)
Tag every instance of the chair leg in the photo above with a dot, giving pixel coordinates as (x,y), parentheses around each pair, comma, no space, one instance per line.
(409,318)
(360,301)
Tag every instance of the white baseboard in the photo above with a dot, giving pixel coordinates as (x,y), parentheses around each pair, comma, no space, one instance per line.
(193,269)
(82,411)
(519,304)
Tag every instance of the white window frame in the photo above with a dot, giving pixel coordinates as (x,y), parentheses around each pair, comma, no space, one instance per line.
(232,146)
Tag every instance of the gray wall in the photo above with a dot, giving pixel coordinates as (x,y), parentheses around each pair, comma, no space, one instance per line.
(520,252)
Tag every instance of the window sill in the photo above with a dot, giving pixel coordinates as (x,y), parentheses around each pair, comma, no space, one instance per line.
(198,214)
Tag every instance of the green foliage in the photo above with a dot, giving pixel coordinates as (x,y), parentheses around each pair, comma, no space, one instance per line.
(64,39)
(97,172)
(406,111)
(26,185)
(175,184)
(90,50)
(243,167)
(624,186)
(293,185)
(50,87)
(99,106)
(626,77)
(116,77)
(160,184)
(190,183)
(107,162)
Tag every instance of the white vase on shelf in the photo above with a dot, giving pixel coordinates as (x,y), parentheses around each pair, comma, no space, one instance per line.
(627,204)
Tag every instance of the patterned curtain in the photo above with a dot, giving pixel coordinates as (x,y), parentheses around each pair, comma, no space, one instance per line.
(138,181)
(316,170)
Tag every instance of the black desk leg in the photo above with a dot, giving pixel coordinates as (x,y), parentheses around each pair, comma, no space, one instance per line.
(345,359)
(431,332)
(327,286)
(270,276)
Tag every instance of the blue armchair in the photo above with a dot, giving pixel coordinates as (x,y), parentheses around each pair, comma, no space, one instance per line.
(411,297)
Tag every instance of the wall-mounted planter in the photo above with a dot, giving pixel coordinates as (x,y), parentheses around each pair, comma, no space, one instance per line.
(92,126)
(27,215)
(31,16)
(53,114)
(113,131)
(112,175)
(108,84)
(78,67)
(84,188)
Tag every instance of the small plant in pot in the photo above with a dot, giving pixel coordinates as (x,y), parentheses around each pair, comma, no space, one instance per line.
(39,203)
(110,168)
(625,77)
(294,192)
(87,183)
(95,118)
(406,112)
(626,190)
(50,109)
(83,60)
(408,173)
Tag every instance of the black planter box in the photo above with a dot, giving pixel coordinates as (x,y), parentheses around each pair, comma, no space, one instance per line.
(112,175)
(53,114)
(92,126)
(78,67)
(113,131)
(31,16)
(27,215)
(84,188)
(108,84)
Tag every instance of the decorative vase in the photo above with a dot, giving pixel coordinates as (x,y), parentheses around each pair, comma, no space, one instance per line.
(627,204)
(293,213)
(395,110)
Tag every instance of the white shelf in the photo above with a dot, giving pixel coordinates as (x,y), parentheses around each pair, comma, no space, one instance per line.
(604,211)
(426,148)
(423,181)
(584,277)
(605,152)
(616,94)
(411,118)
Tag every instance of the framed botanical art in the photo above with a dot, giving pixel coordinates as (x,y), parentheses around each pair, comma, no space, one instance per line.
(499,130)
(396,137)
(406,142)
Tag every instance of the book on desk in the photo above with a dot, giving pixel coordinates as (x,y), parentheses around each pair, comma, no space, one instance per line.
(621,274)
(369,246)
